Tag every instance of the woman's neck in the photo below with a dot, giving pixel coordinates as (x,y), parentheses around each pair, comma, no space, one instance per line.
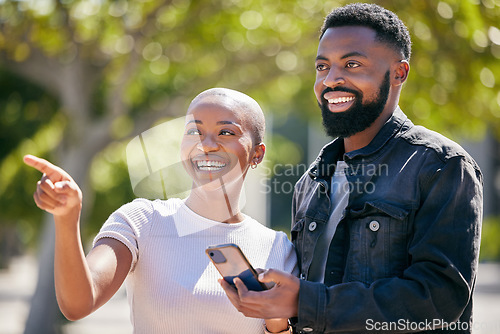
(219,205)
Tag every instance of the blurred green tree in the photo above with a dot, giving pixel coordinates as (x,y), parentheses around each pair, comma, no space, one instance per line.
(110,69)
(115,67)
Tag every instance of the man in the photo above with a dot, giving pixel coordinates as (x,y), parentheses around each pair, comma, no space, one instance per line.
(386,221)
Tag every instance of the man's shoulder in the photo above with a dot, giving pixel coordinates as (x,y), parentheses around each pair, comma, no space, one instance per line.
(433,142)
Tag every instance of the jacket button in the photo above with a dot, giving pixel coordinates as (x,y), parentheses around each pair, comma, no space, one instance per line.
(374,225)
(312,226)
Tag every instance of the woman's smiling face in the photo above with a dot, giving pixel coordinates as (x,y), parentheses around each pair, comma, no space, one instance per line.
(217,142)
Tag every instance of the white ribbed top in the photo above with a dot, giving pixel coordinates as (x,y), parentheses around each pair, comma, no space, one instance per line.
(172,285)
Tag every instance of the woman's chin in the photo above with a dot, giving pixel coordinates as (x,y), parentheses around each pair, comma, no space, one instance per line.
(218,183)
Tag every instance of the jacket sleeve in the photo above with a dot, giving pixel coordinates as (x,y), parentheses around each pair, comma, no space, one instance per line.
(443,253)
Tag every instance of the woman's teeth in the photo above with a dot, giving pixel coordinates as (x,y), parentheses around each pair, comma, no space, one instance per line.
(210,165)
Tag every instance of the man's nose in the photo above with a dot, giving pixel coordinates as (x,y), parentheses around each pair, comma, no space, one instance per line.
(334,78)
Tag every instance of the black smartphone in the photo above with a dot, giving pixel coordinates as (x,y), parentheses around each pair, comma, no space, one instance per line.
(231,262)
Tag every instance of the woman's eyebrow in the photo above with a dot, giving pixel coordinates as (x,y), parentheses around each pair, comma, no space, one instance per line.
(197,121)
(227,122)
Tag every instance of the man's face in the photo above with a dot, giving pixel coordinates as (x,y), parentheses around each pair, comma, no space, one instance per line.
(352,79)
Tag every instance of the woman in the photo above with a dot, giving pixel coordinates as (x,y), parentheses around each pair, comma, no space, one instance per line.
(159,245)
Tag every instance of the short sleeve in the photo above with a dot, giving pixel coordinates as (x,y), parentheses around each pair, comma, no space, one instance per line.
(285,248)
(128,224)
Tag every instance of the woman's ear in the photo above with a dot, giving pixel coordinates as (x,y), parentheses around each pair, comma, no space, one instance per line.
(401,71)
(260,151)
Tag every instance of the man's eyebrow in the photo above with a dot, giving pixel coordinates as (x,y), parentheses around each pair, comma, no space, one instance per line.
(347,55)
(196,121)
(320,57)
(353,54)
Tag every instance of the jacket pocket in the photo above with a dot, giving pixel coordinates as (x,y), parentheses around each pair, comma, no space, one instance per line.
(378,237)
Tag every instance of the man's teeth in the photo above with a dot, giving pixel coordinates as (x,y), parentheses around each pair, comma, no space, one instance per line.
(341,100)
(210,165)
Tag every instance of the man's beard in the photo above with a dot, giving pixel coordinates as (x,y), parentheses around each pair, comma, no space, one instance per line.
(359,116)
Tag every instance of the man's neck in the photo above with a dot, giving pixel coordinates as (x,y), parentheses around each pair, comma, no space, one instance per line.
(363,138)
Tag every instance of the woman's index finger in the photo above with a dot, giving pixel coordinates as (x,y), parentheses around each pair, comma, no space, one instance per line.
(53,172)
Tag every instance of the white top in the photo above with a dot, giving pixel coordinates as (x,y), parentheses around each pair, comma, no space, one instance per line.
(172,285)
(339,197)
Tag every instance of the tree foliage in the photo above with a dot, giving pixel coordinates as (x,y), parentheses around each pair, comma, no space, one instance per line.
(454,87)
(79,78)
(117,66)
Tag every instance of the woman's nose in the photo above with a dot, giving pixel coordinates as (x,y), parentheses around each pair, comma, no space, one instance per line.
(208,143)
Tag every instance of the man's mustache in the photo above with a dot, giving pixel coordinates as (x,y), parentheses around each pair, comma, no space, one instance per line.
(339,89)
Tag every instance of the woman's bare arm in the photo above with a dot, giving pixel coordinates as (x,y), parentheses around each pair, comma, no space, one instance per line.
(82,284)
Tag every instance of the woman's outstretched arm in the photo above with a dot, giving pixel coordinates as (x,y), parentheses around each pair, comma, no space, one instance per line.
(82,284)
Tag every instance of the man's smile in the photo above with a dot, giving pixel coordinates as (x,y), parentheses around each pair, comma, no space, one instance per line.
(339,101)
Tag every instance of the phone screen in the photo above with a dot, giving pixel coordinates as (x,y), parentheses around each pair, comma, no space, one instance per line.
(231,262)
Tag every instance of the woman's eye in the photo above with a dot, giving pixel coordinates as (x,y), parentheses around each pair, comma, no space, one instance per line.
(226,133)
(193,132)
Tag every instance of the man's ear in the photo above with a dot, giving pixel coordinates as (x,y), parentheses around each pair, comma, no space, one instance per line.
(260,151)
(401,69)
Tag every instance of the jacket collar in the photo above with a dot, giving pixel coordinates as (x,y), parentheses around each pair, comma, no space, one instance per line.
(324,165)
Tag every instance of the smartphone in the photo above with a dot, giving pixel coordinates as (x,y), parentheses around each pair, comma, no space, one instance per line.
(231,262)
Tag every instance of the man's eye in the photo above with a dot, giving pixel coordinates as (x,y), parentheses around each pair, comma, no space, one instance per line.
(321,67)
(226,133)
(193,132)
(352,65)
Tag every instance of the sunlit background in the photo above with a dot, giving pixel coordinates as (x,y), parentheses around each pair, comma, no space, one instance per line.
(80,79)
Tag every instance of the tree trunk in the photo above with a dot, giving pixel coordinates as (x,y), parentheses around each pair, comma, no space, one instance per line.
(44,316)
(81,142)
(10,244)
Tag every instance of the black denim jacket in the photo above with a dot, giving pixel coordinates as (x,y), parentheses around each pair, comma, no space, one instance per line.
(404,256)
